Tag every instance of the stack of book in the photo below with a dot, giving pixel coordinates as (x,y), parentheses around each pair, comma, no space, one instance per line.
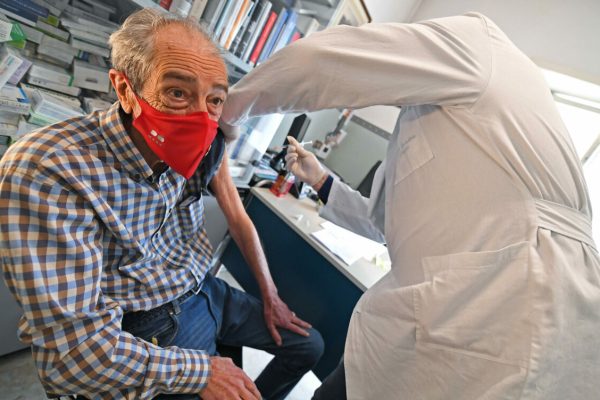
(14,105)
(13,65)
(53,61)
(48,108)
(251,30)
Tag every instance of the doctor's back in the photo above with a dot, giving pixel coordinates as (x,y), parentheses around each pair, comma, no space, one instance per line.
(488,224)
(494,290)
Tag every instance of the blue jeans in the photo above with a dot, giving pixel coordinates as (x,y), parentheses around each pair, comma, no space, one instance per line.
(224,315)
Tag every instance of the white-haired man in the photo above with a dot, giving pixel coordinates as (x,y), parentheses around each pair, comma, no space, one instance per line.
(103,239)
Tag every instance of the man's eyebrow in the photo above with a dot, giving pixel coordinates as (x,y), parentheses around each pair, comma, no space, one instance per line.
(220,86)
(179,76)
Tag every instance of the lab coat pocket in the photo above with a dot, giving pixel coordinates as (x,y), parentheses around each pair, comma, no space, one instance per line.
(387,312)
(477,304)
(412,149)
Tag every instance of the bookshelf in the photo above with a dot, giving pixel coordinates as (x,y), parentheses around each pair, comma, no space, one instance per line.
(147,4)
(336,12)
(56,64)
(224,20)
(236,62)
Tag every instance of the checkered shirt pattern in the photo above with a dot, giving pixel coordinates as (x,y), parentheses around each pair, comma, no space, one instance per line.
(88,232)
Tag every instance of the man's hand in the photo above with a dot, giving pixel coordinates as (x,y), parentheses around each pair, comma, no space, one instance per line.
(302,163)
(277,314)
(228,382)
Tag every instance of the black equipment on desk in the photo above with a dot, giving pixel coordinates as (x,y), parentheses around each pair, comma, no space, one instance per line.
(364,187)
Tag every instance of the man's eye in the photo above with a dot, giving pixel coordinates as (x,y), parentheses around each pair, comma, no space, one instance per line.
(217,101)
(177,93)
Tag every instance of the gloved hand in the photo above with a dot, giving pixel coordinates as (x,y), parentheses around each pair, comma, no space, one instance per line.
(303,164)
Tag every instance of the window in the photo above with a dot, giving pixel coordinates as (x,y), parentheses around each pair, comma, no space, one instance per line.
(578,103)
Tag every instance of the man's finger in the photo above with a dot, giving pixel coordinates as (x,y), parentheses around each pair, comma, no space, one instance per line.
(275,334)
(301,322)
(252,389)
(249,391)
(296,329)
(245,394)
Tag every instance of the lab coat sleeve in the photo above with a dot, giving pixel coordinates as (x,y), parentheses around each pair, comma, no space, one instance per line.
(446,62)
(349,209)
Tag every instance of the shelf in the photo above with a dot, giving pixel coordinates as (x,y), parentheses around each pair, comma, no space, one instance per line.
(369,126)
(229,58)
(236,62)
(147,4)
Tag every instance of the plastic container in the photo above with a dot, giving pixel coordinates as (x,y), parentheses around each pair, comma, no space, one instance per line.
(282,185)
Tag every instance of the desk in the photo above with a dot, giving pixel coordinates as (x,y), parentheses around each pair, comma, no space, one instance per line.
(314,283)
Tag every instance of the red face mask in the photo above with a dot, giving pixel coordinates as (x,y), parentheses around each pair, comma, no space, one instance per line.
(181,141)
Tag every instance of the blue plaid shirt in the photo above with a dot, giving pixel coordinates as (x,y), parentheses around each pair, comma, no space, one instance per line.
(88,232)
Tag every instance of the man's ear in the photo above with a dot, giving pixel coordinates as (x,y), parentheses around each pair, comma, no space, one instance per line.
(124,92)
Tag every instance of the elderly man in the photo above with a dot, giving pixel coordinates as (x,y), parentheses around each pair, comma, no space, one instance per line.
(103,242)
(494,291)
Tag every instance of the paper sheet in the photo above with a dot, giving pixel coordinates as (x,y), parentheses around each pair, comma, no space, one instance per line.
(347,245)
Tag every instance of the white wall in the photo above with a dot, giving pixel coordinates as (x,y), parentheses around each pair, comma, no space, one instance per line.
(556,34)
(353,158)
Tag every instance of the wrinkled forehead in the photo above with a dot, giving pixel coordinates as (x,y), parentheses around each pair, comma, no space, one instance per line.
(177,47)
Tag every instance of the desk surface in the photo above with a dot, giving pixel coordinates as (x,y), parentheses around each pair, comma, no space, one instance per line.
(302,216)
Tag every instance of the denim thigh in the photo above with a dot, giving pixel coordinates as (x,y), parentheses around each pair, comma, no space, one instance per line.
(189,325)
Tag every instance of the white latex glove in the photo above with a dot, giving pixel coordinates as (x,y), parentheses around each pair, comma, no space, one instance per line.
(302,163)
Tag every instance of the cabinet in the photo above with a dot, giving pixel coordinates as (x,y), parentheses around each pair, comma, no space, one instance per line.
(9,319)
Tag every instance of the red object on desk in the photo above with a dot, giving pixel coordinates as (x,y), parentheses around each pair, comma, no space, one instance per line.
(282,185)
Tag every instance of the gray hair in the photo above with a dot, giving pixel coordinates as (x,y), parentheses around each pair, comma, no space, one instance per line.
(133,43)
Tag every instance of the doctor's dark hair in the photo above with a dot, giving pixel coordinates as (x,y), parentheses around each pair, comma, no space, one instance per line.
(132,45)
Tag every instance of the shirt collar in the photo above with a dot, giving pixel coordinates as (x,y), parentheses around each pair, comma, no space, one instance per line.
(118,139)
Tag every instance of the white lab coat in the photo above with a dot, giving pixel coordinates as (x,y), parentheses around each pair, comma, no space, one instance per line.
(494,291)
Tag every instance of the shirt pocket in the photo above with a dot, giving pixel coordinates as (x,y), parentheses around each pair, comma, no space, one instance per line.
(477,304)
(412,149)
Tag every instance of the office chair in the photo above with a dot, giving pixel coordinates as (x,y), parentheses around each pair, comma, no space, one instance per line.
(364,187)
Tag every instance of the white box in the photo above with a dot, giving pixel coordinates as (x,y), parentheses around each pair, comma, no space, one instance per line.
(9,63)
(49,72)
(57,87)
(90,76)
